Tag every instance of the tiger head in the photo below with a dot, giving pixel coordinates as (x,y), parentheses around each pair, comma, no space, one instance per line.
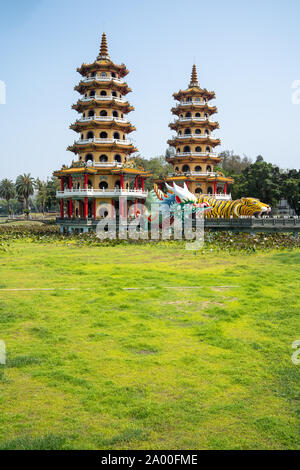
(251,206)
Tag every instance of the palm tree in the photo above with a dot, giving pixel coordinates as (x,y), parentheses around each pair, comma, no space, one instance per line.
(7,191)
(42,195)
(25,187)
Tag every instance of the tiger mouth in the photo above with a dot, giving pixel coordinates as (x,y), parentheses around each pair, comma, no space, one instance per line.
(257,214)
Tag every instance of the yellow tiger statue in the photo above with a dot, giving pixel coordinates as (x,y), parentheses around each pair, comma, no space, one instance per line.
(246,206)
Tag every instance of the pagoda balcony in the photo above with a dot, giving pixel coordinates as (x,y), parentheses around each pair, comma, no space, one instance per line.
(107,164)
(194,173)
(102,98)
(103,118)
(101,193)
(194,136)
(102,141)
(192,118)
(197,102)
(203,173)
(195,154)
(98,78)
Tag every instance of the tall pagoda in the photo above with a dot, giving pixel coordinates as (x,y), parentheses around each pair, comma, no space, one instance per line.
(194,157)
(91,185)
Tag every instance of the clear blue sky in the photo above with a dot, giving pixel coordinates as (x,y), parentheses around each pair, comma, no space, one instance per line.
(246,51)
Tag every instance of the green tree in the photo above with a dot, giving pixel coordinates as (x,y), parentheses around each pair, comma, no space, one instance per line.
(53,185)
(25,188)
(261,180)
(291,189)
(157,166)
(233,164)
(7,192)
(42,194)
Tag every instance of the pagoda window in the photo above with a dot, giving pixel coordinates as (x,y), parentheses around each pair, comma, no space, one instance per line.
(118,158)
(198,191)
(103,113)
(93,74)
(91,113)
(205,115)
(92,93)
(115,114)
(179,133)
(177,168)
(113,75)
(188,100)
(89,158)
(198,149)
(207,149)
(103,74)
(198,168)
(197,115)
(197,98)
(188,115)
(198,131)
(80,158)
(90,185)
(114,93)
(117,184)
(185,168)
(83,115)
(103,93)
(103,185)
(82,136)
(103,158)
(103,135)
(178,150)
(90,135)
(187,149)
(187,132)
(206,131)
(117,135)
(208,168)
(209,190)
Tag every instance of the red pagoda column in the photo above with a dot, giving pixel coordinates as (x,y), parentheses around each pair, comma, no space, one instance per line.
(70,200)
(85,213)
(122,181)
(85,181)
(70,208)
(62,201)
(225,188)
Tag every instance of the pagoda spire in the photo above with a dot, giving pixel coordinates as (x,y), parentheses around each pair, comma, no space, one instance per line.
(194,78)
(103,48)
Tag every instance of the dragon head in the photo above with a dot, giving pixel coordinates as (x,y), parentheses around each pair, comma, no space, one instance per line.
(184,196)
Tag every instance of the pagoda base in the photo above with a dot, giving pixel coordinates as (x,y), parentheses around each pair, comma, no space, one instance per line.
(77,225)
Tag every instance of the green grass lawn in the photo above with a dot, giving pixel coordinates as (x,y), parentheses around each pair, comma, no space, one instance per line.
(160,367)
